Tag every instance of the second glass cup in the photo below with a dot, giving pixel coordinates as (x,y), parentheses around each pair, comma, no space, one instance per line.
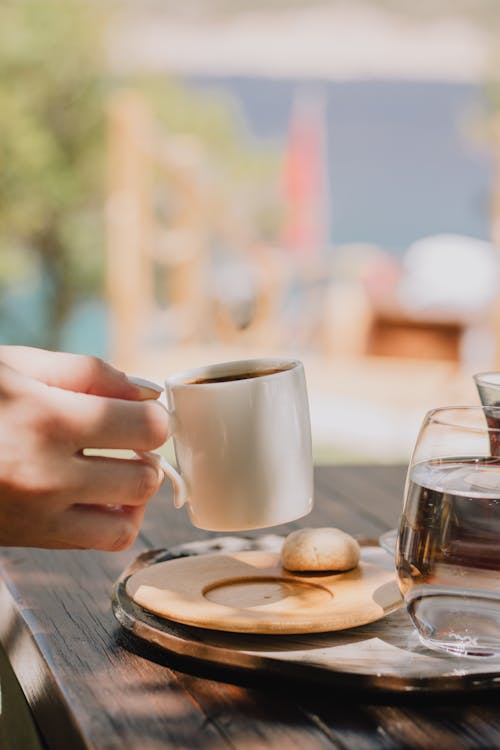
(448,553)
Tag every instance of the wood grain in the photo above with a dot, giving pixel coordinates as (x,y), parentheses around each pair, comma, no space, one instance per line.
(250,592)
(382,655)
(90,685)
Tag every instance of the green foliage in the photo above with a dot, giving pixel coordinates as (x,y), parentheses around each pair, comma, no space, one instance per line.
(51,136)
(53,92)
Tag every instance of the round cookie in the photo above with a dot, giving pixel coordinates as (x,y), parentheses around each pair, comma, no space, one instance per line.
(320,549)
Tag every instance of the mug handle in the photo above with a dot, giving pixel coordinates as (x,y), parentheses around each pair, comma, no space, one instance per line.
(178,483)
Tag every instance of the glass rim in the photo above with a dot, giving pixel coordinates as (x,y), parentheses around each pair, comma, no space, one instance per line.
(433,416)
(489,377)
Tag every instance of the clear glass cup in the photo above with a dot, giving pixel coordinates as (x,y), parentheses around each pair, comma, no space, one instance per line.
(448,551)
(488,387)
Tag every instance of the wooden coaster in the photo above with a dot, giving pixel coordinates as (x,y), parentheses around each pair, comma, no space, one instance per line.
(250,592)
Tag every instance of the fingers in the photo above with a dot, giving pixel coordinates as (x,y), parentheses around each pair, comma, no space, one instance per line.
(89,527)
(110,506)
(98,480)
(95,422)
(76,372)
(102,507)
(51,495)
(87,502)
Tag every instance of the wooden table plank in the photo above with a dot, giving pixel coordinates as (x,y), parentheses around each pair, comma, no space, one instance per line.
(239,713)
(329,509)
(92,686)
(76,637)
(372,494)
(76,587)
(246,719)
(422,724)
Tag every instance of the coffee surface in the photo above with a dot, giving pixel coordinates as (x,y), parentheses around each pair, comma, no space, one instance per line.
(237,376)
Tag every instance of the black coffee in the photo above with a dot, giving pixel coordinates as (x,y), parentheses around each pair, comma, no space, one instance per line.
(237,376)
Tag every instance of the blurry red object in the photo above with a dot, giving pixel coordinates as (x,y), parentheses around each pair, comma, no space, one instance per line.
(305,179)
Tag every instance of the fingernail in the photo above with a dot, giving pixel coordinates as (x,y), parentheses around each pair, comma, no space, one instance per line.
(147,388)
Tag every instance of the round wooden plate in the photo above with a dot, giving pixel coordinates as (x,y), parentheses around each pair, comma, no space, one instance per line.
(385,655)
(250,592)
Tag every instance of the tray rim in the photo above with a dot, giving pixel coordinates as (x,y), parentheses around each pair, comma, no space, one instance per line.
(188,642)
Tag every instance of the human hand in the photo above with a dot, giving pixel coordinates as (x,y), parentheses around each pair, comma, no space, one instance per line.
(53,406)
(76,372)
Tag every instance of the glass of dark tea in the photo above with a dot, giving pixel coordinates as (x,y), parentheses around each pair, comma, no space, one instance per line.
(448,551)
(488,388)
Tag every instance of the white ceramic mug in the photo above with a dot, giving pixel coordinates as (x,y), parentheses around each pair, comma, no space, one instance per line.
(242,442)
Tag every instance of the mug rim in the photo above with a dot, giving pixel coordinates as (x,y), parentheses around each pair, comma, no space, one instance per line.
(433,416)
(234,367)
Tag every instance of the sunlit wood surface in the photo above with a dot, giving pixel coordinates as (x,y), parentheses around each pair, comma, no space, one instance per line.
(91,686)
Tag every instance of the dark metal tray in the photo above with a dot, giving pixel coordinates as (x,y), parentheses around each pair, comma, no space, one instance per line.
(385,655)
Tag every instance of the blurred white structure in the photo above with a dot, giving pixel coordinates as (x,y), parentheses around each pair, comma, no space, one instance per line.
(333,41)
(450,275)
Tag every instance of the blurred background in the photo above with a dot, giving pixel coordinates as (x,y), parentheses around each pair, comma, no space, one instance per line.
(185,183)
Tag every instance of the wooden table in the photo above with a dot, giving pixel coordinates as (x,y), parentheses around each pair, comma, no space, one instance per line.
(91,685)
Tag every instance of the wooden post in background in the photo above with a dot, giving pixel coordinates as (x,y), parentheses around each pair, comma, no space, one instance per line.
(129,225)
(495,197)
(495,226)
(181,242)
